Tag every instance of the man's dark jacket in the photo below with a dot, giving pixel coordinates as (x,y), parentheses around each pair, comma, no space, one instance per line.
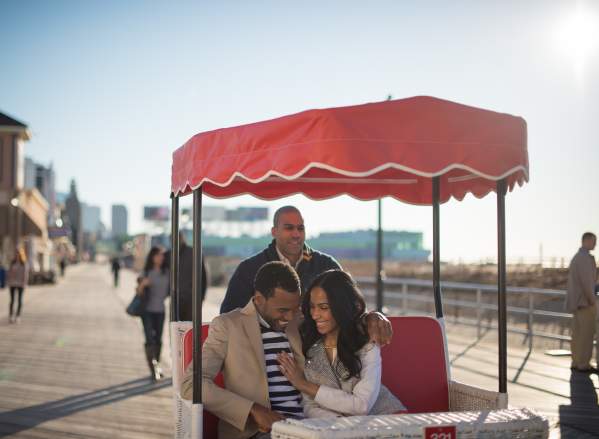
(241,285)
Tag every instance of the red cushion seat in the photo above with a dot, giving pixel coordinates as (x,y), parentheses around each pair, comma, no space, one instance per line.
(414,365)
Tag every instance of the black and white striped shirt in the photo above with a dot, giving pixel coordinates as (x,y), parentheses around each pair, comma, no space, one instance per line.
(284,398)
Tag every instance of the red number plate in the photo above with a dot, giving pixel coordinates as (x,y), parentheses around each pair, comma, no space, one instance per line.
(445,432)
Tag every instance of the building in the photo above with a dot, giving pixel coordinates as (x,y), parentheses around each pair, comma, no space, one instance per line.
(23,210)
(361,244)
(43,179)
(357,245)
(59,230)
(92,229)
(45,182)
(29,173)
(61,226)
(210,213)
(91,218)
(73,213)
(119,221)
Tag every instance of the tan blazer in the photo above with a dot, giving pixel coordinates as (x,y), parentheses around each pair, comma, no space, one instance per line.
(582,277)
(234,346)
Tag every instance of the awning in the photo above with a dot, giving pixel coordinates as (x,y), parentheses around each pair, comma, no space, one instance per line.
(35,209)
(391,148)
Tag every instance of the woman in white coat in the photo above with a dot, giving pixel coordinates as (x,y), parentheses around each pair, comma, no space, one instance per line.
(343,369)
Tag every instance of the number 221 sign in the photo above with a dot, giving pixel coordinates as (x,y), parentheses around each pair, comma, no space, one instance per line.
(445,432)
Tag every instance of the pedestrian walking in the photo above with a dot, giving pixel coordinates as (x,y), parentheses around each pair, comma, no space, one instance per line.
(2,275)
(153,286)
(63,265)
(18,275)
(580,301)
(116,268)
(597,326)
(185,278)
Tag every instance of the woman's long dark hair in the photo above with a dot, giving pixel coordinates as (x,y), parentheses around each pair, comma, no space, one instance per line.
(347,306)
(149,266)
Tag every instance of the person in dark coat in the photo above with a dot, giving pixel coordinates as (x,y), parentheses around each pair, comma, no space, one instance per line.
(116,268)
(288,245)
(63,265)
(2,276)
(185,278)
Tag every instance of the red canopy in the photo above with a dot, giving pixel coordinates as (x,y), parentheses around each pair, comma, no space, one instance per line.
(390,148)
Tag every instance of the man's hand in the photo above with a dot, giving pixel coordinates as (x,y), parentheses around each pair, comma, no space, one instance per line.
(264,418)
(379,328)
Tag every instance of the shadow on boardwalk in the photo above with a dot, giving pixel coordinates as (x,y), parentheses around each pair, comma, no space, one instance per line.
(25,418)
(582,415)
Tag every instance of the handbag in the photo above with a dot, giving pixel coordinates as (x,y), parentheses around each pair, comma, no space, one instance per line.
(138,304)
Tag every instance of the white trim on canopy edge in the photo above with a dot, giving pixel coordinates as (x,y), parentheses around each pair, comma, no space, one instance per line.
(352,174)
(355,197)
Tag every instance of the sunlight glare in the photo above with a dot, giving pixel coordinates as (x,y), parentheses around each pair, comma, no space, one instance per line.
(579,37)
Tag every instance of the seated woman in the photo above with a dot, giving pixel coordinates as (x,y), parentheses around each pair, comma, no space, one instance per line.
(342,374)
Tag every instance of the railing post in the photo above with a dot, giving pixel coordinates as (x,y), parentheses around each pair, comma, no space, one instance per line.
(456,313)
(404,298)
(531,309)
(478,312)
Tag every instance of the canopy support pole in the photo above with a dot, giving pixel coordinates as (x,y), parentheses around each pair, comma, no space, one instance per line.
(174,262)
(379,260)
(501,286)
(197,299)
(436,250)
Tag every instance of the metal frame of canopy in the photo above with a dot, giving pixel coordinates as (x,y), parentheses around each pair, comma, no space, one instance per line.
(499,184)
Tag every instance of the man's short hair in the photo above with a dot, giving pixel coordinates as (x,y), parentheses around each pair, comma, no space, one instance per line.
(588,235)
(276,274)
(281,211)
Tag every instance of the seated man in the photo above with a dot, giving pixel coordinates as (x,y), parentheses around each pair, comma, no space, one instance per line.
(244,344)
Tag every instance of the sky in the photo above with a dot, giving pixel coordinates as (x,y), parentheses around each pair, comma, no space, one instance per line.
(110,89)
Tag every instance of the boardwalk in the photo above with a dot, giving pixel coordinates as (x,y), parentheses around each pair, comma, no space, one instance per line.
(74,367)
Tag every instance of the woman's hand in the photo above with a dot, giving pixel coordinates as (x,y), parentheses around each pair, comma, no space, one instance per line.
(295,376)
(290,370)
(142,283)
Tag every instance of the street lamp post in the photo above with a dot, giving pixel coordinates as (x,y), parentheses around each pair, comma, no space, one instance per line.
(15,203)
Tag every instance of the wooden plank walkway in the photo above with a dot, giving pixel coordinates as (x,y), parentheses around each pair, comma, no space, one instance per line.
(535,380)
(75,367)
